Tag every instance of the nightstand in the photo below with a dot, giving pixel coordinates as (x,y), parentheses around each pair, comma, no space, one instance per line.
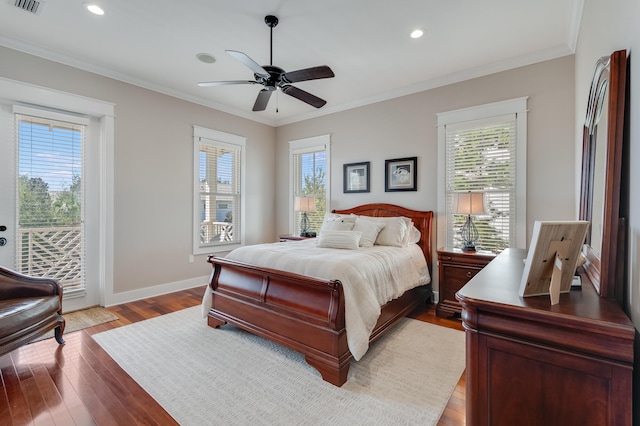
(455,269)
(284,238)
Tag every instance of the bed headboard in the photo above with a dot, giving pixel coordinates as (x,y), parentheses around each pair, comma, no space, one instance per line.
(421,220)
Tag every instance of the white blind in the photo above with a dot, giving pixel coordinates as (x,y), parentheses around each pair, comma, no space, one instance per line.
(309,179)
(481,157)
(219,179)
(50,199)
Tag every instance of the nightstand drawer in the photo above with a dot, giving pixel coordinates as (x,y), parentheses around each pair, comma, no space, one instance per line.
(461,274)
(456,277)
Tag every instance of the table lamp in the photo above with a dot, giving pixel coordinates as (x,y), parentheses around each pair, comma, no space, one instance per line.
(304,205)
(469,203)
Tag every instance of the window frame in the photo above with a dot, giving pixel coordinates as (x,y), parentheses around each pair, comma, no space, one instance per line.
(217,139)
(307,145)
(517,106)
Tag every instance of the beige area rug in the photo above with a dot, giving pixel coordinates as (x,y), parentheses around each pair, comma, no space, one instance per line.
(84,318)
(226,376)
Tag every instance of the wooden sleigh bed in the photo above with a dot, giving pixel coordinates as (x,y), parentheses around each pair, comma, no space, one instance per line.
(303,313)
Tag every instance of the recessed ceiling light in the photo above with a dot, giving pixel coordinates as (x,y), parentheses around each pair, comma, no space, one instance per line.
(417,33)
(94,8)
(206,58)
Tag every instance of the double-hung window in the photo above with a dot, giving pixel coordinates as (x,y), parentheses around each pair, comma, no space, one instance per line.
(483,150)
(309,178)
(218,190)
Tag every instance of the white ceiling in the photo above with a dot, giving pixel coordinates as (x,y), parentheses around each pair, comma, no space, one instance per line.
(153,44)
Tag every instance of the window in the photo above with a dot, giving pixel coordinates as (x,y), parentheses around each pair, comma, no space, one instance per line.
(483,149)
(309,160)
(50,236)
(218,190)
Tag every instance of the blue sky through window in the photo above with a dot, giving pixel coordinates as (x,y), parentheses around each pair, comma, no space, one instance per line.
(311,162)
(51,153)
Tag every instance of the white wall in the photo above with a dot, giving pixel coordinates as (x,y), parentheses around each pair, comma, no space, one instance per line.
(406,127)
(154,173)
(607,27)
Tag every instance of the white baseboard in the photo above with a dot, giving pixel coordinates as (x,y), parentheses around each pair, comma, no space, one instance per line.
(158,290)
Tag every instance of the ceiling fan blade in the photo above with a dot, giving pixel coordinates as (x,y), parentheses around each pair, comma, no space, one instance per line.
(262,100)
(314,73)
(303,96)
(253,65)
(224,83)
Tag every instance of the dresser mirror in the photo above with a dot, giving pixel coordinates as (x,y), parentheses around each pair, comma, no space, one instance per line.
(603,136)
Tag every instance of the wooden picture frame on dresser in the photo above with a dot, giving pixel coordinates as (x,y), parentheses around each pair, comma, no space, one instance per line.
(455,269)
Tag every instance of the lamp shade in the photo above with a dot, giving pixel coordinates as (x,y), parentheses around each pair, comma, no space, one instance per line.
(305,204)
(469,203)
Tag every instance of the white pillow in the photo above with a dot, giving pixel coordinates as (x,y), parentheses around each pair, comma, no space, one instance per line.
(328,217)
(369,229)
(394,232)
(414,235)
(336,222)
(339,239)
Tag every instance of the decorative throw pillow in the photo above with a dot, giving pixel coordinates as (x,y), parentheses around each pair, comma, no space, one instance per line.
(339,239)
(369,229)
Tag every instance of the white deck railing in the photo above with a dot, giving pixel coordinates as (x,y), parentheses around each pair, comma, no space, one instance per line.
(53,253)
(214,232)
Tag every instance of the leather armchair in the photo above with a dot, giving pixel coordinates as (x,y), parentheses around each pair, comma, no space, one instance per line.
(29,307)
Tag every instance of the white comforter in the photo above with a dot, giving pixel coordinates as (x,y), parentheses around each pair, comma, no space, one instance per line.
(370,277)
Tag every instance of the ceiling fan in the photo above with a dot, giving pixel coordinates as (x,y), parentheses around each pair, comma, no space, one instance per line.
(272,77)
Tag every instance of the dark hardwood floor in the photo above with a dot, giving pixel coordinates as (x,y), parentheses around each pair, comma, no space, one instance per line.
(79,384)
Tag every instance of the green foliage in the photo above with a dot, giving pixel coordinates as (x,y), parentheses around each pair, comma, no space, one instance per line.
(39,208)
(315,186)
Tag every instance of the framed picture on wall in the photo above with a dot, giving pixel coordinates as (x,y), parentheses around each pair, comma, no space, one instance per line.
(401,174)
(356,177)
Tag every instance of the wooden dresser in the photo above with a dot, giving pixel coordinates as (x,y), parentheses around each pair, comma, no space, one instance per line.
(455,269)
(530,363)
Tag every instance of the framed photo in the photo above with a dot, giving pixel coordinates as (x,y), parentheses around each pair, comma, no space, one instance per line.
(356,177)
(401,174)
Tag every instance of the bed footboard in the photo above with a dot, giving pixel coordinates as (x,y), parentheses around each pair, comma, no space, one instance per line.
(302,313)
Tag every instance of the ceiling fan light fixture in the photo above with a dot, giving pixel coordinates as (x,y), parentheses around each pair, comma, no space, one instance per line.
(417,33)
(94,8)
(206,58)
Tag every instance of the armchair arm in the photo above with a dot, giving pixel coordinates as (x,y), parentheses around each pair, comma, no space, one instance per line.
(14,285)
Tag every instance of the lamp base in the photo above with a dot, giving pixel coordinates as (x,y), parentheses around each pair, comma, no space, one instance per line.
(469,234)
(468,246)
